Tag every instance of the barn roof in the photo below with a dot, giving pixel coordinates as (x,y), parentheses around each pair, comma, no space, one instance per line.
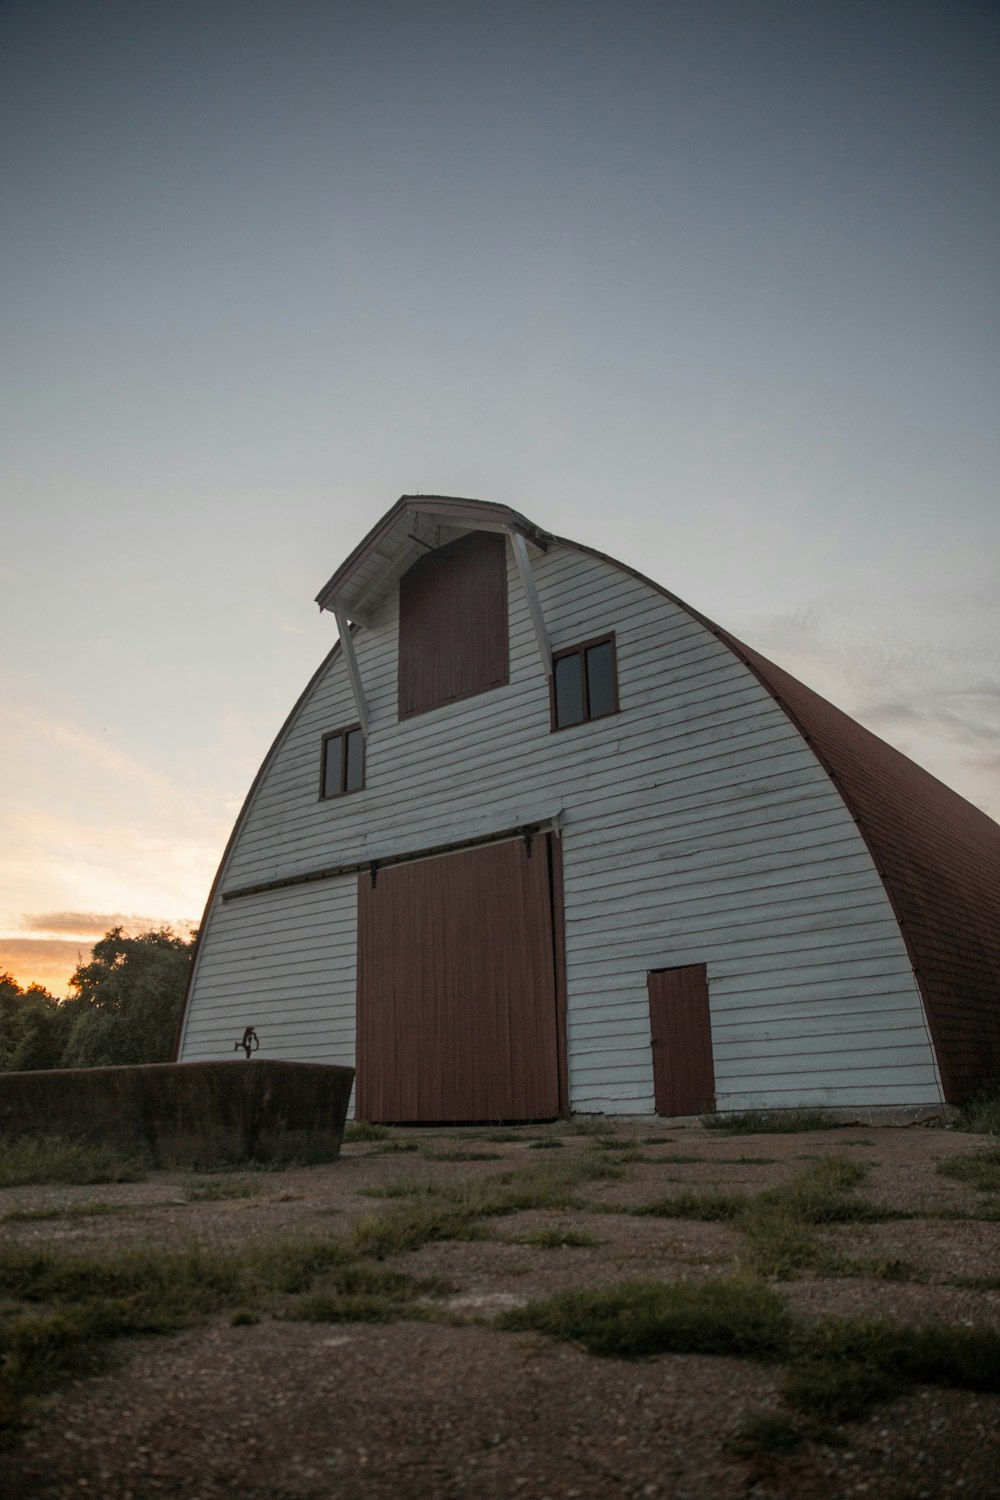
(939,859)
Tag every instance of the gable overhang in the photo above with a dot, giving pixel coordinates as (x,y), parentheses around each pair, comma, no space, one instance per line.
(415,524)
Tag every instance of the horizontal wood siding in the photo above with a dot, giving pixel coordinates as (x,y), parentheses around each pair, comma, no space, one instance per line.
(697,827)
(283,963)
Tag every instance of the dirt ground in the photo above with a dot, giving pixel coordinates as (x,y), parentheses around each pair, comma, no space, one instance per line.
(458,1410)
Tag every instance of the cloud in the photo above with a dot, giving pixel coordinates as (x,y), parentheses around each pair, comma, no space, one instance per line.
(45,961)
(918,671)
(86,923)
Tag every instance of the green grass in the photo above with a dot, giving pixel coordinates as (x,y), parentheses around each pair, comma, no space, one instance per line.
(360,1130)
(426,1210)
(980,1171)
(461,1154)
(220,1189)
(981,1116)
(836,1370)
(76,1211)
(769,1121)
(557,1239)
(367,1294)
(546,1143)
(45,1159)
(636,1318)
(779,1224)
(63,1309)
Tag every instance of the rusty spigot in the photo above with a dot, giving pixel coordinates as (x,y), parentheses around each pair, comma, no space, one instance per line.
(250,1042)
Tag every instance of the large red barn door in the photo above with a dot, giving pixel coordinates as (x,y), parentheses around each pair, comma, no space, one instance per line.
(457,1015)
(681,1037)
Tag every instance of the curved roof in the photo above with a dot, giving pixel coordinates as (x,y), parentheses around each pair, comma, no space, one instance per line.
(939,859)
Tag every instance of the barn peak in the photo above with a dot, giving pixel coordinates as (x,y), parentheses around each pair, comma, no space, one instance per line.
(415,524)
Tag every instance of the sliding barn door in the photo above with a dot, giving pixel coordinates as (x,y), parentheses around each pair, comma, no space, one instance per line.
(457,1015)
(681,1037)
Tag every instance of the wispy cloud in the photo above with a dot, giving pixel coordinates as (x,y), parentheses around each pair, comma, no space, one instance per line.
(920,672)
(86,923)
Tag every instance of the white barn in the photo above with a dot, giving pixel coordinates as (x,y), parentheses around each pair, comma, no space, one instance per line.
(538,837)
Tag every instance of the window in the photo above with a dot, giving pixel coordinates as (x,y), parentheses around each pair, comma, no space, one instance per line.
(453,623)
(584,682)
(343,762)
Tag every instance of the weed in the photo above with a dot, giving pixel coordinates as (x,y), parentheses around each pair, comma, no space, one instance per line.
(243,1317)
(361,1130)
(981,1171)
(775,1432)
(708,1207)
(546,1143)
(74,1211)
(657,1140)
(557,1239)
(635,1318)
(52,1158)
(461,1155)
(981,1116)
(365,1294)
(591,1125)
(841,1369)
(218,1190)
(769,1121)
(392,1148)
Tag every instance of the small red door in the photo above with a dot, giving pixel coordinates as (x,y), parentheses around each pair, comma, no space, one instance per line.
(681,1038)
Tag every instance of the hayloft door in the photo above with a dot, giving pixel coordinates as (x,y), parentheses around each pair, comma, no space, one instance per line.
(457,1013)
(681,1038)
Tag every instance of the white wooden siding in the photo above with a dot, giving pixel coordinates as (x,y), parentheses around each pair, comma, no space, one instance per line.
(697,827)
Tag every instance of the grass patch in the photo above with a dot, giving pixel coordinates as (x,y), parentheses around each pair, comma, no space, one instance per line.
(710,1208)
(546,1143)
(770,1433)
(463,1155)
(636,1318)
(220,1189)
(557,1239)
(779,1224)
(981,1116)
(591,1125)
(981,1171)
(425,1211)
(361,1130)
(393,1148)
(75,1211)
(45,1159)
(841,1369)
(837,1370)
(366,1294)
(769,1122)
(63,1309)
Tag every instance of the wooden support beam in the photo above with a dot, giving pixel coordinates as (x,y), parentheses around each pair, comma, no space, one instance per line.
(353,672)
(523,561)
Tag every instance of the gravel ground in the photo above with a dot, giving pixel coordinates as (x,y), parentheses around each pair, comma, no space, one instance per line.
(431,1411)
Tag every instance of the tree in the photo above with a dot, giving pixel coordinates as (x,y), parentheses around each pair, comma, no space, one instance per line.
(130,996)
(34,1026)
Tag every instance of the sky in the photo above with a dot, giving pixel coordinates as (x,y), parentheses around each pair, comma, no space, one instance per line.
(710,285)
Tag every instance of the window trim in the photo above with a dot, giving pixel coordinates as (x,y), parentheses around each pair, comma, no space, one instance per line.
(345,791)
(580,648)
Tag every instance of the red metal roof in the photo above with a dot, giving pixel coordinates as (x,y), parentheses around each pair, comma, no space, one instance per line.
(939,858)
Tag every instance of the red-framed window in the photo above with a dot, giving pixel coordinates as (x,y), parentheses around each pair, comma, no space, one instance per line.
(342,763)
(584,682)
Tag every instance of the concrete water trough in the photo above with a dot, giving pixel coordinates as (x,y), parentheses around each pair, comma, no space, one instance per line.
(187,1114)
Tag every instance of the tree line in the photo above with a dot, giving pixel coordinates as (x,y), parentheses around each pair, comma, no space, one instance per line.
(124,1007)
